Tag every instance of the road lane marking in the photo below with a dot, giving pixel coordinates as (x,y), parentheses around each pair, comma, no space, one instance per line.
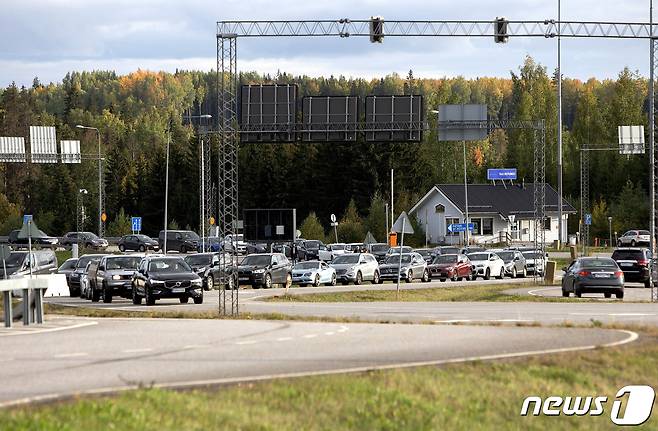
(483,320)
(329,333)
(284,339)
(144,350)
(196,346)
(42,331)
(532,292)
(71,355)
(241,343)
(310,335)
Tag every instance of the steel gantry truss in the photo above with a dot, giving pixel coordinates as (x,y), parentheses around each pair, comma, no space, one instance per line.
(229,31)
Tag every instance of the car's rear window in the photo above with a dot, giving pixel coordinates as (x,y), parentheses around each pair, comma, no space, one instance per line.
(599,263)
(644,232)
(628,255)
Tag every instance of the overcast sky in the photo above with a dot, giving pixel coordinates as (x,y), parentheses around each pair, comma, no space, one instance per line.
(47,38)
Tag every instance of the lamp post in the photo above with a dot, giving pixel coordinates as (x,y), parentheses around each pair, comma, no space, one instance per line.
(80,215)
(610,230)
(100,179)
(203,183)
(166,207)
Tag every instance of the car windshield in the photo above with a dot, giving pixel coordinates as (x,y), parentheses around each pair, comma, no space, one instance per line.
(124,262)
(598,263)
(445,258)
(506,255)
(262,260)
(532,255)
(346,259)
(449,250)
(307,265)
(91,235)
(378,248)
(338,246)
(313,245)
(394,260)
(169,265)
(190,235)
(478,256)
(143,237)
(69,264)
(424,252)
(15,259)
(84,260)
(199,259)
(628,255)
(396,250)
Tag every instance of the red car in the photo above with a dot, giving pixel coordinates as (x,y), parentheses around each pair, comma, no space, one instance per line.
(451,266)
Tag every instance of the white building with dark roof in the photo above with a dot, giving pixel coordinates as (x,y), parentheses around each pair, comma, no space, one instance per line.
(490,207)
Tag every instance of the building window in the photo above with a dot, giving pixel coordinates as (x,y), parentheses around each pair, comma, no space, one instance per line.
(547,223)
(439,209)
(487,226)
(449,221)
(477,224)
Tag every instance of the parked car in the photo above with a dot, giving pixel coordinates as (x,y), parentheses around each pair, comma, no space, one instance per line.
(179,240)
(265,270)
(487,265)
(160,277)
(138,242)
(253,248)
(235,242)
(427,253)
(113,276)
(447,250)
(18,263)
(593,275)
(635,263)
(88,282)
(634,237)
(313,250)
(379,250)
(85,288)
(84,239)
(283,248)
(206,265)
(472,249)
(451,267)
(356,268)
(212,244)
(356,247)
(412,267)
(535,261)
(396,250)
(337,249)
(515,263)
(67,268)
(16,242)
(313,272)
(75,277)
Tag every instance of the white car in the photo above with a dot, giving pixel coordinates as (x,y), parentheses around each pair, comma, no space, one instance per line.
(337,249)
(313,272)
(486,265)
(535,261)
(233,242)
(634,237)
(356,268)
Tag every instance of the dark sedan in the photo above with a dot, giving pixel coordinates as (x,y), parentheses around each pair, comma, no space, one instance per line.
(47,241)
(166,277)
(593,275)
(138,243)
(265,270)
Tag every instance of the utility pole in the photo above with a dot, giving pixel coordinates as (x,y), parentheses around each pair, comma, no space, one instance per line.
(466,232)
(392,207)
(559,126)
(167,189)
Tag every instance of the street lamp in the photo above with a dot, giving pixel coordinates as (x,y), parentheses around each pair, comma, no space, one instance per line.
(80,213)
(466,232)
(203,183)
(100,179)
(610,230)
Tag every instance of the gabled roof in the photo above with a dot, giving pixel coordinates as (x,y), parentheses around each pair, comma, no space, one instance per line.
(500,199)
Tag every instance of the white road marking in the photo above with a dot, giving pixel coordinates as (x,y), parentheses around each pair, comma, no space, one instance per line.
(483,320)
(71,355)
(310,335)
(329,333)
(240,343)
(284,339)
(11,332)
(343,328)
(532,292)
(196,346)
(632,314)
(144,350)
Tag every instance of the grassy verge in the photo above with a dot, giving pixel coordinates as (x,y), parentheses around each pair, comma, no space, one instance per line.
(439,294)
(472,396)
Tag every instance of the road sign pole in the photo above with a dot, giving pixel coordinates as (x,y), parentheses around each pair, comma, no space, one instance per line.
(397,287)
(465,195)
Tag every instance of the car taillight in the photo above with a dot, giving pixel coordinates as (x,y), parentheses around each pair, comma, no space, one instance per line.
(619,274)
(584,273)
(643,262)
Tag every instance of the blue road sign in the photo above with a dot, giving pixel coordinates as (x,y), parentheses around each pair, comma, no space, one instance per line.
(136,224)
(27,218)
(501,174)
(460,227)
(588,219)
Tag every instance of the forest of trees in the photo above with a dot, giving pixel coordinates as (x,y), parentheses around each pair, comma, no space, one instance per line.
(134,112)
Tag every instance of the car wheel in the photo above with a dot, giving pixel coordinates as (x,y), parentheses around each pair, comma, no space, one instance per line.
(142,248)
(442,279)
(209,282)
(514,273)
(375,278)
(122,248)
(344,283)
(577,291)
(607,295)
(426,276)
(184,299)
(633,243)
(198,299)
(107,295)
(137,300)
(316,283)
(524,274)
(150,300)
(410,277)
(502,274)
(620,295)
(82,293)
(487,274)
(95,294)
(268,281)
(647,283)
(618,243)
(182,249)
(288,281)
(359,278)
(333,280)
(565,293)
(454,277)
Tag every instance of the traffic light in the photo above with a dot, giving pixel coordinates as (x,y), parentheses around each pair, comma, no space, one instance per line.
(376,29)
(500,30)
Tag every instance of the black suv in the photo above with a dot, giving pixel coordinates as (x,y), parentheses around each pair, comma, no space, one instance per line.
(265,270)
(166,277)
(206,265)
(113,277)
(635,263)
(138,243)
(179,240)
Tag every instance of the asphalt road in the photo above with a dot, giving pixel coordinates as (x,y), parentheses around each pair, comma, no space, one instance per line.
(117,354)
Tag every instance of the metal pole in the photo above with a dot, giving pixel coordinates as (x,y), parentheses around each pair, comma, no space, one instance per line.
(610,230)
(466,232)
(203,197)
(336,230)
(29,245)
(386,218)
(559,126)
(652,149)
(166,190)
(425,227)
(397,287)
(392,207)
(100,187)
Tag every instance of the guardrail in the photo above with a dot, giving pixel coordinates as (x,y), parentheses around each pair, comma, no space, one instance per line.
(32,290)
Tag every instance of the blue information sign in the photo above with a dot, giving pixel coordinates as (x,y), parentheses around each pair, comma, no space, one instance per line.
(460,227)
(136,224)
(27,218)
(501,174)
(588,219)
